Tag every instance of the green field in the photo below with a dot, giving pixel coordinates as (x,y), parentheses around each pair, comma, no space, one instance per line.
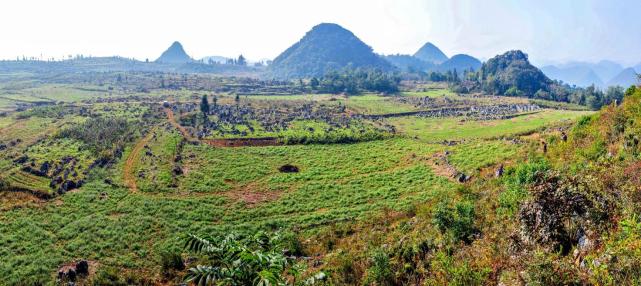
(374,104)
(155,189)
(429,129)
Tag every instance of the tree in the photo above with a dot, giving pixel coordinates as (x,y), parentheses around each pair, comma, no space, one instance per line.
(542,94)
(314,83)
(204,105)
(215,101)
(631,90)
(241,61)
(237,99)
(614,94)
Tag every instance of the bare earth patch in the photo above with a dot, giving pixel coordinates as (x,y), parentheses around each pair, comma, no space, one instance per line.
(441,166)
(253,195)
(12,200)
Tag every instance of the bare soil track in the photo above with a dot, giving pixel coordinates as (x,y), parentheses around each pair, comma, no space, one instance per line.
(129,177)
(172,120)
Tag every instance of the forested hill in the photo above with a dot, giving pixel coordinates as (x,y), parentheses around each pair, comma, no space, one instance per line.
(511,72)
(327,47)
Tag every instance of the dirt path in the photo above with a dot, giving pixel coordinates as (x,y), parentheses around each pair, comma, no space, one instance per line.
(133,158)
(441,166)
(172,119)
(129,177)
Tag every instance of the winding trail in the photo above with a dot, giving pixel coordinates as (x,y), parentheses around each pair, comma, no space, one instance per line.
(129,177)
(172,119)
(134,156)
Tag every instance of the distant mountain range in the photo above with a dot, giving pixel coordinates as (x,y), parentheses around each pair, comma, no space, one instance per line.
(328,47)
(460,63)
(431,58)
(574,75)
(409,63)
(625,78)
(175,54)
(324,48)
(601,74)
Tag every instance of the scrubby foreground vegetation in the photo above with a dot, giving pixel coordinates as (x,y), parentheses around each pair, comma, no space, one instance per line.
(562,214)
(163,179)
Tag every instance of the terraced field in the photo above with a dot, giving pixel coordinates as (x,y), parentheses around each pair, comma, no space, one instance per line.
(146,190)
(453,129)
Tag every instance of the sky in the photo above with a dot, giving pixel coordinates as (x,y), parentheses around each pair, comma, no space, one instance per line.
(550,31)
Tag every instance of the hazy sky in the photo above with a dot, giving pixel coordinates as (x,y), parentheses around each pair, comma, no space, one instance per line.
(548,30)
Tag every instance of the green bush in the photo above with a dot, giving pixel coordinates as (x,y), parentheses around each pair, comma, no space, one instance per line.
(232,260)
(546,270)
(108,276)
(516,181)
(102,135)
(597,150)
(459,221)
(171,261)
(465,275)
(380,270)
(446,270)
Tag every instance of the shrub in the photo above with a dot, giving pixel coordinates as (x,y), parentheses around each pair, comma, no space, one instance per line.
(380,270)
(550,270)
(459,221)
(620,263)
(466,275)
(446,270)
(443,216)
(346,272)
(171,261)
(596,150)
(463,227)
(102,135)
(516,181)
(232,260)
(107,276)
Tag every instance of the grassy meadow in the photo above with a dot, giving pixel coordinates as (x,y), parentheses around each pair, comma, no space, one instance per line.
(183,187)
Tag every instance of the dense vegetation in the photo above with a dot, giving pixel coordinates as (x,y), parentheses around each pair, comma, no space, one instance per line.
(102,134)
(260,259)
(565,215)
(511,74)
(356,81)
